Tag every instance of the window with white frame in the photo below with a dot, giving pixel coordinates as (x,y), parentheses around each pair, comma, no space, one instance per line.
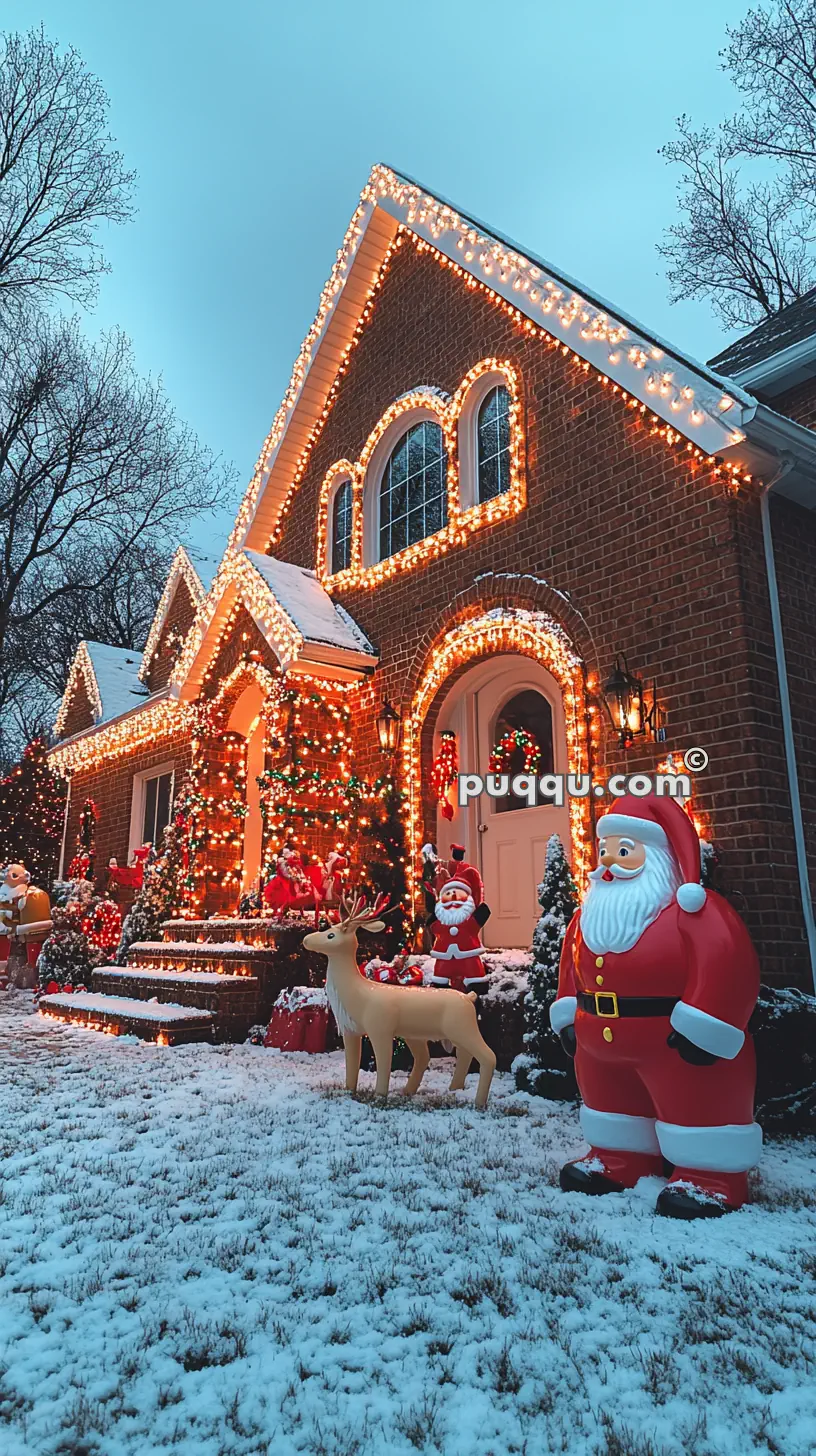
(413,489)
(493,443)
(342,515)
(152,805)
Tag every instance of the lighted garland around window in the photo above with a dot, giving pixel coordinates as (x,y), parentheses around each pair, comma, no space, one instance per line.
(444,771)
(501,757)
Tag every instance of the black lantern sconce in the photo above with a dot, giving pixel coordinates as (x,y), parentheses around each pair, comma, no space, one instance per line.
(389,726)
(629,712)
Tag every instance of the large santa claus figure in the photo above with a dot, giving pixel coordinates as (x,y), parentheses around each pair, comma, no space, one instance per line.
(456,926)
(658,979)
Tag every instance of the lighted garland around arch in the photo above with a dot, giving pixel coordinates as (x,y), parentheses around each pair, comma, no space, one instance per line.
(503,629)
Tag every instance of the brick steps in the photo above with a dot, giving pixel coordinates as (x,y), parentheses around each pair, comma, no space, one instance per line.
(170,1024)
(232,1000)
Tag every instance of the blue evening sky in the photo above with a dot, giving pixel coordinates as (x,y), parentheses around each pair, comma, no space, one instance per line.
(253,127)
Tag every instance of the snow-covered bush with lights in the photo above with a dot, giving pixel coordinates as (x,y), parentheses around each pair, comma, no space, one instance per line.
(86,931)
(160,897)
(544,1068)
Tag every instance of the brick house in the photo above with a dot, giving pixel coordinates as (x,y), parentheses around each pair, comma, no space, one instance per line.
(483,488)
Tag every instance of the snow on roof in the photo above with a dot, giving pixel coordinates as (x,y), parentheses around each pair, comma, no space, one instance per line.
(308,605)
(116,670)
(792,325)
(110,676)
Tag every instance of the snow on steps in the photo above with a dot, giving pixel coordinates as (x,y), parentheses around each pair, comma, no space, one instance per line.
(149,1020)
(233,1000)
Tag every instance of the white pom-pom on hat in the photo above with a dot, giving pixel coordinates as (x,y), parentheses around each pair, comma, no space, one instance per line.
(691,897)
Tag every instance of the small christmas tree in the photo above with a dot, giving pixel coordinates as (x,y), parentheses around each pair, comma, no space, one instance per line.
(84,935)
(161,894)
(32,804)
(545,1069)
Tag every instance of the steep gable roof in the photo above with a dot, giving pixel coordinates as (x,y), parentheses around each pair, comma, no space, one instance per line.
(305,629)
(110,676)
(712,412)
(198,572)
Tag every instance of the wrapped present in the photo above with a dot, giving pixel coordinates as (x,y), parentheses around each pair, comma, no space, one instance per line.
(299,1020)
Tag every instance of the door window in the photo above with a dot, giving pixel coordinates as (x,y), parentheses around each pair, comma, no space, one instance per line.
(523,743)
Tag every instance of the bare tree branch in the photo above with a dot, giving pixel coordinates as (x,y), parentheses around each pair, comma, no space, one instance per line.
(97,481)
(60,175)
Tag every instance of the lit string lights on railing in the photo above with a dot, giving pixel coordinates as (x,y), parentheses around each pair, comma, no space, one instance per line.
(500,630)
(462,521)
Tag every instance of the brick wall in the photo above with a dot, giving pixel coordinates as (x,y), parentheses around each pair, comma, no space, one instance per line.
(111,788)
(657,555)
(179,620)
(80,713)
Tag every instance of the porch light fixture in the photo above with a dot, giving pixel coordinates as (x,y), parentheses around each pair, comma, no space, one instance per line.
(389,725)
(629,712)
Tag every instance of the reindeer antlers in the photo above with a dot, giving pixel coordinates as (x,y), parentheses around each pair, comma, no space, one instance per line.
(355,912)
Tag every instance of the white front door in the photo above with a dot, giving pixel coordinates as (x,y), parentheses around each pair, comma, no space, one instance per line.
(507,838)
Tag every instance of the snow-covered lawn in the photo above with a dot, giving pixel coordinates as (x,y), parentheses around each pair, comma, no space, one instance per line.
(215,1251)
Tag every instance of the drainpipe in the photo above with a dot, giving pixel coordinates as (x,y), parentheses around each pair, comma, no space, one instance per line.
(786,464)
(61,870)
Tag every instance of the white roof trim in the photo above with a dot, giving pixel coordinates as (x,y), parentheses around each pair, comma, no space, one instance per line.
(774,369)
(300,637)
(81,669)
(183,569)
(692,399)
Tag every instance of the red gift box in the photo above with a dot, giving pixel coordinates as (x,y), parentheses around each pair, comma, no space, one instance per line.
(303,1030)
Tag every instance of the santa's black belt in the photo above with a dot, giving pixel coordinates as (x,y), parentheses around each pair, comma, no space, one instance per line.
(609,1004)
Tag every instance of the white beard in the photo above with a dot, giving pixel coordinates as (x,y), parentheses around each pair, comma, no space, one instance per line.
(615,913)
(455,914)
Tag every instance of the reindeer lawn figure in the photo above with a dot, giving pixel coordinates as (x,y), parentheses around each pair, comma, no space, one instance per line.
(381,1012)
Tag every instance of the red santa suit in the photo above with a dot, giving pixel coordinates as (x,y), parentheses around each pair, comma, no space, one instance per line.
(685,989)
(457,948)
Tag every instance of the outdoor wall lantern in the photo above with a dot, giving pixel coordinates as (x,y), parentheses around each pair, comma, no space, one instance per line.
(629,712)
(389,724)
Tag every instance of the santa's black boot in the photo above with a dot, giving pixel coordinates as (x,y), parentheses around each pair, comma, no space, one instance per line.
(606,1171)
(693,1194)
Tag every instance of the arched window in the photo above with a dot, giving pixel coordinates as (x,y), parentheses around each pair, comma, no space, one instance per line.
(413,489)
(341,524)
(493,430)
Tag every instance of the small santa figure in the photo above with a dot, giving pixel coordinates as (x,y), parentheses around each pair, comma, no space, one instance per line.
(456,924)
(658,979)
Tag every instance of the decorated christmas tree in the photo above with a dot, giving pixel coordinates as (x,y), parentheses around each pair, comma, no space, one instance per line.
(32,804)
(85,934)
(385,871)
(162,889)
(544,1068)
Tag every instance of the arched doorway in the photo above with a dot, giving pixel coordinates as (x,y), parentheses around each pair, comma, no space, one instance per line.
(521,635)
(509,698)
(246,718)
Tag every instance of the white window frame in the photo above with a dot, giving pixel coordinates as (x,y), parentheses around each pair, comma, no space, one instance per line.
(340,479)
(468,434)
(380,457)
(137,802)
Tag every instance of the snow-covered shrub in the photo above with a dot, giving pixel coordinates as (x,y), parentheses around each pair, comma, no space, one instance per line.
(544,1068)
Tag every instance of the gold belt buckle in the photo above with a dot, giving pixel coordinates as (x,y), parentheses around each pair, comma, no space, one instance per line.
(606,996)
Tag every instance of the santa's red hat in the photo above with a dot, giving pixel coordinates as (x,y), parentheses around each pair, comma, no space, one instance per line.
(466,878)
(464,874)
(659,820)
